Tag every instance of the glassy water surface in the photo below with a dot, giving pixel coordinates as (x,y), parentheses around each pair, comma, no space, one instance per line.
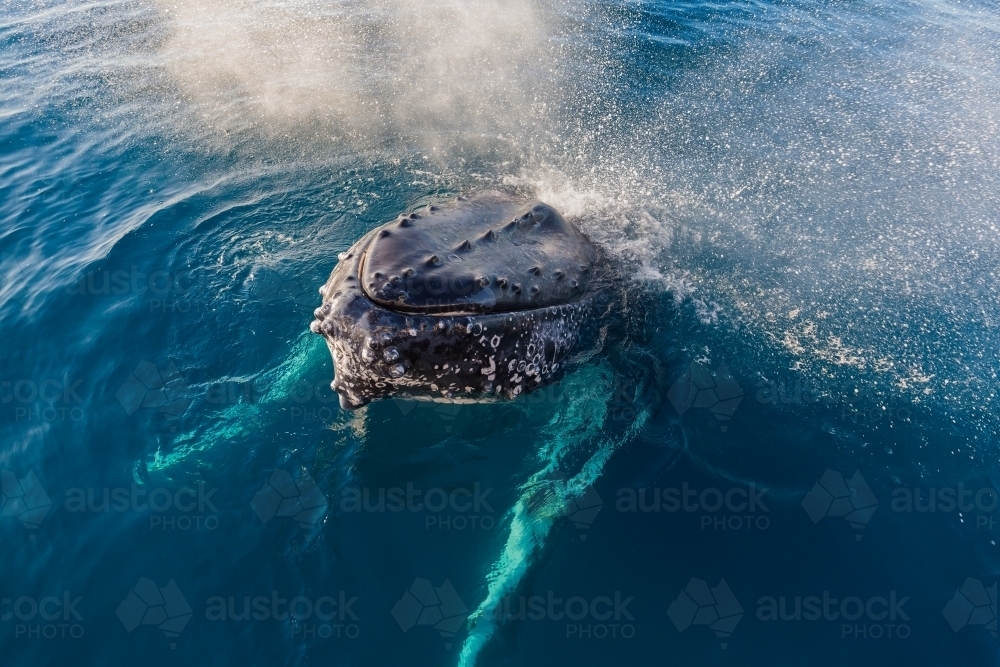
(794,460)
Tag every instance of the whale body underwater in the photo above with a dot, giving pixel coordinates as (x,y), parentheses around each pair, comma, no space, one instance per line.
(478,300)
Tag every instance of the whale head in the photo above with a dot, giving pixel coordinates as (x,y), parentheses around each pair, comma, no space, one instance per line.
(477,300)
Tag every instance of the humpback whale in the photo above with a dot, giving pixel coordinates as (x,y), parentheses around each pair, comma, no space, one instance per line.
(481,299)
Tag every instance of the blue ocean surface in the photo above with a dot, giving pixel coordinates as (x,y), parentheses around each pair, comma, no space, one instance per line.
(791,459)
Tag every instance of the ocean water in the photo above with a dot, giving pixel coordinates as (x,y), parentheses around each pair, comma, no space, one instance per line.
(786,454)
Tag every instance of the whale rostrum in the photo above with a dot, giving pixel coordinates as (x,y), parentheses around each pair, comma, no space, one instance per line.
(476,300)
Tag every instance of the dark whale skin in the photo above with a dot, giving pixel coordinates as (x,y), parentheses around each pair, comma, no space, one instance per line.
(478,300)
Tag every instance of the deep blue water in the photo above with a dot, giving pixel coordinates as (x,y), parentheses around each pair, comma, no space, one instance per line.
(795,463)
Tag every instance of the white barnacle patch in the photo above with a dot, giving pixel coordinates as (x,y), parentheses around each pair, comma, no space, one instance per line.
(491,370)
(494,342)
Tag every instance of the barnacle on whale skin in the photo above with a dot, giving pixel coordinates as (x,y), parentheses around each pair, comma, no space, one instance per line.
(457,328)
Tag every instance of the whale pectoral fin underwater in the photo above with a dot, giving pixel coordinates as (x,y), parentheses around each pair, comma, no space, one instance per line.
(479,300)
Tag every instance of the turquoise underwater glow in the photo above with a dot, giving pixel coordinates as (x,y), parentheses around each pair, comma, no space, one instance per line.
(790,458)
